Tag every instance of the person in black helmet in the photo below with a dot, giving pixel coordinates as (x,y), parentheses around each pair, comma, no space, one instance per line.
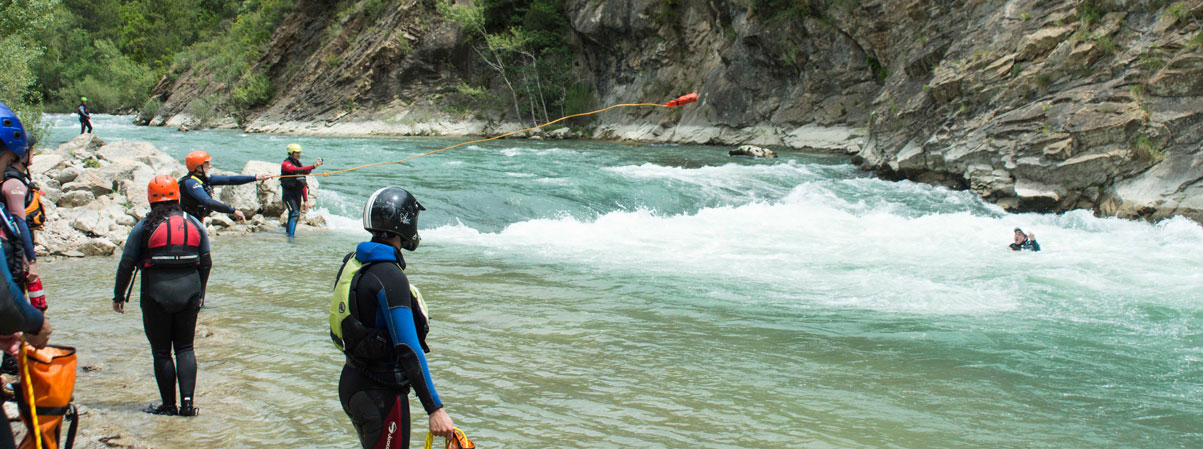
(379,322)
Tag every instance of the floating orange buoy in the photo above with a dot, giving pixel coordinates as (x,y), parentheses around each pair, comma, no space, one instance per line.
(683,100)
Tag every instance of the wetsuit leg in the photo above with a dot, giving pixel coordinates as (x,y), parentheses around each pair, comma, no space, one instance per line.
(183,333)
(6,434)
(293,202)
(368,404)
(165,330)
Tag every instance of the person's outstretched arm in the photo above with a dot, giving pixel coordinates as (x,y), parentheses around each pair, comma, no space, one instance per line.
(194,189)
(235,180)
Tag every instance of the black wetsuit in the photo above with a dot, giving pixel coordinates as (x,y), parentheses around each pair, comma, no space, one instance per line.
(170,300)
(85,118)
(369,390)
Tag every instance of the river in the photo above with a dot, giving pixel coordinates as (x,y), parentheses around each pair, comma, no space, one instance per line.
(611,295)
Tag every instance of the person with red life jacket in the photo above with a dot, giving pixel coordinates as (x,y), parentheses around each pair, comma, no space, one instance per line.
(296,188)
(172,250)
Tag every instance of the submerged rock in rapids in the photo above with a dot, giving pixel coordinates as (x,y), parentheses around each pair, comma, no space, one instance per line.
(753,151)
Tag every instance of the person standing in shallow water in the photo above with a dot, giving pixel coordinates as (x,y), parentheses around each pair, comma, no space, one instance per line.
(85,116)
(172,249)
(295,189)
(379,322)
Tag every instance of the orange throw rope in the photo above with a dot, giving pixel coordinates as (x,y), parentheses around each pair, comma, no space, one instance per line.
(681,101)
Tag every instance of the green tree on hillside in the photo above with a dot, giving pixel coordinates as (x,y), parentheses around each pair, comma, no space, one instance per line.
(113,51)
(20,23)
(523,41)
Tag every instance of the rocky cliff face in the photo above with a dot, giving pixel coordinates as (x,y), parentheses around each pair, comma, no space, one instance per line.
(1044,105)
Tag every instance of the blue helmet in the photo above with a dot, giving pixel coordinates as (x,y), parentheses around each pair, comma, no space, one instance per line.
(12,133)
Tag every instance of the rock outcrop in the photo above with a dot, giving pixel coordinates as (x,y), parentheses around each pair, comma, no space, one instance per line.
(94,192)
(752,151)
(1040,105)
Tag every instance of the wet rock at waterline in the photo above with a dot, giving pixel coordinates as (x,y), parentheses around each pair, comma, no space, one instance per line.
(753,151)
(94,192)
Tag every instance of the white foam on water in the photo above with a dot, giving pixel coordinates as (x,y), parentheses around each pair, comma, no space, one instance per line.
(528,151)
(813,247)
(342,224)
(710,174)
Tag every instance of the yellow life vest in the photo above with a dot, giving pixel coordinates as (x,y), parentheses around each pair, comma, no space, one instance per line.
(350,335)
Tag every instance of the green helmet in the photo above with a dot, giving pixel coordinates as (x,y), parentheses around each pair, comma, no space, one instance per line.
(294,148)
(83,98)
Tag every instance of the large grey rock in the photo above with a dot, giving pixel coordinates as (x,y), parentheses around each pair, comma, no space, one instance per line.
(81,147)
(143,153)
(97,247)
(92,181)
(66,175)
(220,221)
(75,198)
(44,162)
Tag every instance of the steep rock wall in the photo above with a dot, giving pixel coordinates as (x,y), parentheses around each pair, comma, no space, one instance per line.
(1036,105)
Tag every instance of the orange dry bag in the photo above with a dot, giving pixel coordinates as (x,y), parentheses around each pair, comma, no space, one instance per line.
(52,374)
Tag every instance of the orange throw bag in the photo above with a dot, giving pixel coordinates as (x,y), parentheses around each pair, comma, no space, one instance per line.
(52,374)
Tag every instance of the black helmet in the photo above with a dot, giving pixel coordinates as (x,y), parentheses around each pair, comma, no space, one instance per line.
(394,210)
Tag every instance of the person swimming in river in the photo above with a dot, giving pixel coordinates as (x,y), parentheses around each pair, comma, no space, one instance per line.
(1025,241)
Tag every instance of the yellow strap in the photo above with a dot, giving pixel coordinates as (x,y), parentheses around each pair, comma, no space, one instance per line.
(33,403)
(430,437)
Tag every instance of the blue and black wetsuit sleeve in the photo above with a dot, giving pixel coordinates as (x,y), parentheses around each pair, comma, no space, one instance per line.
(231,180)
(194,189)
(130,256)
(392,292)
(23,317)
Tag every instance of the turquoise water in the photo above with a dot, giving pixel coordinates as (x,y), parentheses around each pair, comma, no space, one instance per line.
(606,295)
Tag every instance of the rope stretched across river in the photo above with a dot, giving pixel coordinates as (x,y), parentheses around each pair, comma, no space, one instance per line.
(683,100)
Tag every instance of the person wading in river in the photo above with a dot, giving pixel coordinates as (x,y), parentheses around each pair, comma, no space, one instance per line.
(379,322)
(172,249)
(296,188)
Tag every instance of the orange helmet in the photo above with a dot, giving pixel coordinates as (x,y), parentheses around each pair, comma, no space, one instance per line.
(162,188)
(195,159)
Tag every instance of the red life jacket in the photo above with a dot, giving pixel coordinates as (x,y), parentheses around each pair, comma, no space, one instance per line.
(174,243)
